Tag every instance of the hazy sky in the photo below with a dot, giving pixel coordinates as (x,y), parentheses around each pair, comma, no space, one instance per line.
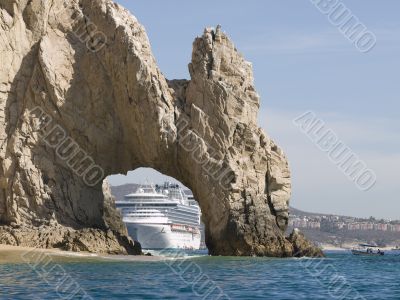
(302,63)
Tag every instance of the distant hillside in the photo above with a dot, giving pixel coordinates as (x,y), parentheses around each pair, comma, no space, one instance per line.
(298,212)
(121,190)
(343,231)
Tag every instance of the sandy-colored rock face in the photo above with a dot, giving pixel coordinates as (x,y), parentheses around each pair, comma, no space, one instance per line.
(81,98)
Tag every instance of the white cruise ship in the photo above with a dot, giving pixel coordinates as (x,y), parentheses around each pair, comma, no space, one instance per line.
(161,217)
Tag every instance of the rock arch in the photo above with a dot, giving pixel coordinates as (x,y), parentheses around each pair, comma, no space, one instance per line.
(82,96)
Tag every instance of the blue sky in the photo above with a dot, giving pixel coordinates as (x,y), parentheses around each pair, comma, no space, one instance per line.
(302,62)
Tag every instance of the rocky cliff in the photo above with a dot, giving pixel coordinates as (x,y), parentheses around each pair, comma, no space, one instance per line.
(81,98)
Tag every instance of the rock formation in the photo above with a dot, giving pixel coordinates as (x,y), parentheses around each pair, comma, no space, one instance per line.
(302,247)
(81,98)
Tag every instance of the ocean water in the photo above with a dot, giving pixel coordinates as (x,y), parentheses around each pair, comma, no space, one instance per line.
(198,276)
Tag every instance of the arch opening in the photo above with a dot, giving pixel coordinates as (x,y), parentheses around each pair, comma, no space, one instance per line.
(159,211)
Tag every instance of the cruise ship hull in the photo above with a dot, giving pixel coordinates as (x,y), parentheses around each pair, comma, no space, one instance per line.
(162,236)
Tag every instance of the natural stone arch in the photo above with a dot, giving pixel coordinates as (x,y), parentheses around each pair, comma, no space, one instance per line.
(87,67)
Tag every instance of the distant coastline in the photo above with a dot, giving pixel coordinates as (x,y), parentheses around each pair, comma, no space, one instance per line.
(343,232)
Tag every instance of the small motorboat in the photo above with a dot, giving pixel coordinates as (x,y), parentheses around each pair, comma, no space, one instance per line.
(367,250)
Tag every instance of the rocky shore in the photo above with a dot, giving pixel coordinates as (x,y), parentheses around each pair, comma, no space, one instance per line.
(68,239)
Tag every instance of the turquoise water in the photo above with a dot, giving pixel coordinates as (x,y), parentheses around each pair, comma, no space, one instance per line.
(339,276)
